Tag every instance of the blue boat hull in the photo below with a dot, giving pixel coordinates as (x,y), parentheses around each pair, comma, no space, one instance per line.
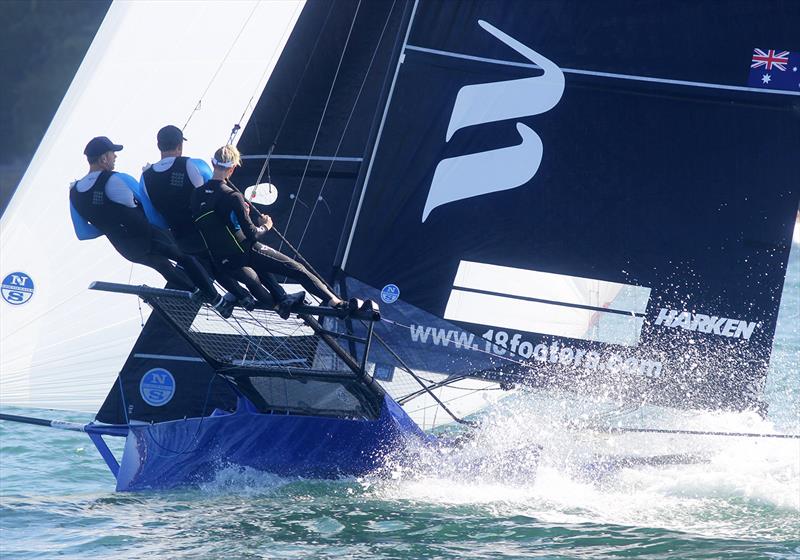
(186,452)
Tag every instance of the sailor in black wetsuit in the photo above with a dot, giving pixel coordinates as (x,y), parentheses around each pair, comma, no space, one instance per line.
(168,186)
(102,203)
(222,218)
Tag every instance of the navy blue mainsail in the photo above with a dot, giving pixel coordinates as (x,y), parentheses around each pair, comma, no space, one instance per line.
(540,207)
(630,231)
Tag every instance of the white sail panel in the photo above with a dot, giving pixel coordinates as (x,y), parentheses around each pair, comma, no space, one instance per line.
(547,303)
(462,397)
(560,288)
(150,64)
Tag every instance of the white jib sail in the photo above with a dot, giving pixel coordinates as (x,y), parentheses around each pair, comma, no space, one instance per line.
(150,64)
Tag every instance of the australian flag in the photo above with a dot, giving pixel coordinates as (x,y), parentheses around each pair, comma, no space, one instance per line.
(775,69)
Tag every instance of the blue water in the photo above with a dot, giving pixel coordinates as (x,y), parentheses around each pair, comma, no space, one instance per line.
(741,501)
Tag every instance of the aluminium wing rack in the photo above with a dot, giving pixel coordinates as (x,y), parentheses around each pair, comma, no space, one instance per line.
(256,341)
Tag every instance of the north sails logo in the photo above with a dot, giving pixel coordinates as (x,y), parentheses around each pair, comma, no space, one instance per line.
(482,173)
(722,326)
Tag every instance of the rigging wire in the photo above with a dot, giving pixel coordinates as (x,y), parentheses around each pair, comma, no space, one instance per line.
(624,410)
(612,429)
(322,118)
(283,239)
(302,76)
(238,126)
(421,383)
(138,299)
(265,167)
(347,124)
(122,397)
(220,65)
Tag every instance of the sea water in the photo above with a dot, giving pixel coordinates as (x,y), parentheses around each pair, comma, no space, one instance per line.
(739,499)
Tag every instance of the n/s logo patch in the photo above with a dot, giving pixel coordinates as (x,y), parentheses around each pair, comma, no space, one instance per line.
(390,293)
(157,387)
(17,288)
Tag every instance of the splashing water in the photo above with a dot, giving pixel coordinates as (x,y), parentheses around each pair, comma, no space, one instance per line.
(707,485)
(532,481)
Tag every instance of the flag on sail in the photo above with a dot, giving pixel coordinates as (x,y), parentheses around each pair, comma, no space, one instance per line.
(775,69)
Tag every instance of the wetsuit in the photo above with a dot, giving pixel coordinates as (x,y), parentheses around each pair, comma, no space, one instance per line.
(125,225)
(169,184)
(222,218)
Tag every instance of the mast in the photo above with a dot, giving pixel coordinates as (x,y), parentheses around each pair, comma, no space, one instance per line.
(374,145)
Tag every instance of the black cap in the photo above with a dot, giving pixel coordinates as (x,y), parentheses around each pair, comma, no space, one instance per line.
(169,137)
(99,145)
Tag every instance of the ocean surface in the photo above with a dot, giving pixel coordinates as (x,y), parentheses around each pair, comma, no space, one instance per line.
(740,499)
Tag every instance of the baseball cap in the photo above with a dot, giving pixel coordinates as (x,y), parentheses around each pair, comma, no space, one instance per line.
(99,145)
(169,137)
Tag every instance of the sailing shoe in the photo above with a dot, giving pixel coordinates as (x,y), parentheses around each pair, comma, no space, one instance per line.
(342,309)
(284,307)
(224,307)
(354,304)
(246,301)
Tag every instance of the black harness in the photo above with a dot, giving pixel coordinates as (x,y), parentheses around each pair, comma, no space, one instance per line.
(228,245)
(127,228)
(170,192)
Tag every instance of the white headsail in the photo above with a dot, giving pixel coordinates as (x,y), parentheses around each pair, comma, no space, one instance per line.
(150,64)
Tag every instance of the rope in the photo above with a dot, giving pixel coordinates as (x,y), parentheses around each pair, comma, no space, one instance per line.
(321,119)
(283,239)
(196,432)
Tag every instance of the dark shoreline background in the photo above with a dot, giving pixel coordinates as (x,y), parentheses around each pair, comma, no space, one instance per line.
(42,44)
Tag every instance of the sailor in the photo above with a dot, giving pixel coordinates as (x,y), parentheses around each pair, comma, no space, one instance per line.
(167,185)
(222,217)
(102,203)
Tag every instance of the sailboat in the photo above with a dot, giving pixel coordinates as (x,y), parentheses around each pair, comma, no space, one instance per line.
(530,203)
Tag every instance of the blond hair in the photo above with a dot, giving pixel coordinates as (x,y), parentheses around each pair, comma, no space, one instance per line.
(226,157)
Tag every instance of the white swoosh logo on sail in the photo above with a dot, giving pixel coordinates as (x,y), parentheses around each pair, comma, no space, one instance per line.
(496,170)
(485,172)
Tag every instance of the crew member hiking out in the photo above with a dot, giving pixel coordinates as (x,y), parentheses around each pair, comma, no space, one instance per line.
(102,203)
(222,218)
(167,185)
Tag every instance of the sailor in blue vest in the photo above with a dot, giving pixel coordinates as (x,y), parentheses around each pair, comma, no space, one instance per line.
(102,203)
(223,219)
(167,185)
